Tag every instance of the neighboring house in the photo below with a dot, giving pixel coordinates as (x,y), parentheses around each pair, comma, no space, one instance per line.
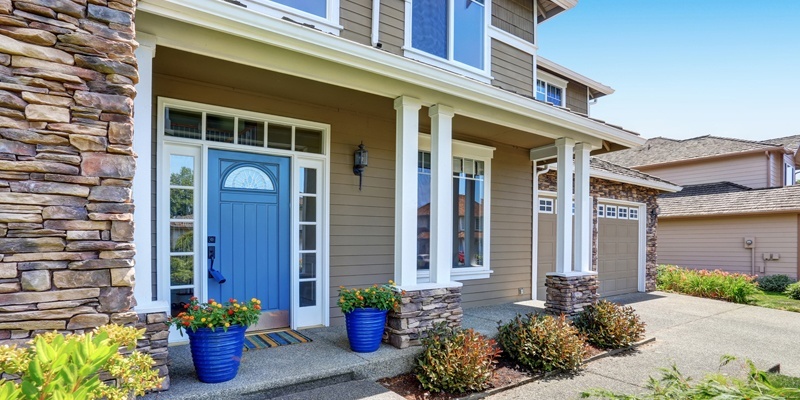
(734,191)
(240,158)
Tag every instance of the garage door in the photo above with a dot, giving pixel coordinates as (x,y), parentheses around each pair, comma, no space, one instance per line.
(547,252)
(618,250)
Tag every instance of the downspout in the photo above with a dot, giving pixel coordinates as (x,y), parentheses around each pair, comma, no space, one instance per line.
(376,23)
(535,228)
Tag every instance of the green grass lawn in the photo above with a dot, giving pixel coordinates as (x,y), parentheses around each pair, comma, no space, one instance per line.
(776,300)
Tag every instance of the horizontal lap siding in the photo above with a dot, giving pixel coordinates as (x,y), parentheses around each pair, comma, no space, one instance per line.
(392,26)
(711,243)
(356,18)
(515,17)
(510,232)
(749,170)
(512,69)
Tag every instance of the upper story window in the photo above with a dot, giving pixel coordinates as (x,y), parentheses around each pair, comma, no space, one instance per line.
(789,175)
(550,88)
(322,14)
(450,34)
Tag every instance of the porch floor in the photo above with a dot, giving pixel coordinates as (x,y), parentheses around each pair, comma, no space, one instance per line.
(328,360)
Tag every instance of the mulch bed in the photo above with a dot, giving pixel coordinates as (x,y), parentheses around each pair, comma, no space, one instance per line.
(507,373)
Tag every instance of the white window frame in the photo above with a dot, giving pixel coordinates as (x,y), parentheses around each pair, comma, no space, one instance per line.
(601,210)
(200,147)
(789,174)
(475,152)
(544,204)
(622,212)
(483,75)
(330,24)
(633,213)
(554,81)
(609,213)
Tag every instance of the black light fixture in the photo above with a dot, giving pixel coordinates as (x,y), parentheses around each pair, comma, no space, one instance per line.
(655,211)
(360,162)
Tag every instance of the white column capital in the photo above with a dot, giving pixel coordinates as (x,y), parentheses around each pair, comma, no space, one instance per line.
(441,110)
(147,42)
(565,142)
(407,102)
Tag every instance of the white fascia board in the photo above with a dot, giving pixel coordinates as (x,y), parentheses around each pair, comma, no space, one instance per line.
(665,187)
(563,71)
(234,20)
(565,4)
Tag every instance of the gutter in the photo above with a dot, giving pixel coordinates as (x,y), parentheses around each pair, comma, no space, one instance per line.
(572,75)
(234,20)
(776,149)
(731,214)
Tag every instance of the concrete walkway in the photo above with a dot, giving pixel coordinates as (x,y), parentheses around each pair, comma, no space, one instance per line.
(693,333)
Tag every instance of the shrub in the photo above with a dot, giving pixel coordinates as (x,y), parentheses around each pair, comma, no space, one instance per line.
(793,291)
(774,283)
(674,385)
(456,360)
(58,366)
(720,285)
(609,325)
(542,342)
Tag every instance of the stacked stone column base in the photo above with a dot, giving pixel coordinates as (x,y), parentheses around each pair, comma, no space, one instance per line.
(419,311)
(568,295)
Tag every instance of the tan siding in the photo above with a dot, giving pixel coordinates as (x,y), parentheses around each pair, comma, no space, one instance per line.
(356,18)
(512,69)
(392,26)
(515,17)
(711,243)
(775,170)
(511,232)
(749,170)
(577,99)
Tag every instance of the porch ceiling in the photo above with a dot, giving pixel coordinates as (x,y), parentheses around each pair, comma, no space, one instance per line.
(213,72)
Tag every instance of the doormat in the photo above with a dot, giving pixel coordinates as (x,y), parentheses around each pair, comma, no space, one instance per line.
(261,340)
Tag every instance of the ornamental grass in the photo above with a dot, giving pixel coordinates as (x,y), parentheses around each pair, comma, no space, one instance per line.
(720,285)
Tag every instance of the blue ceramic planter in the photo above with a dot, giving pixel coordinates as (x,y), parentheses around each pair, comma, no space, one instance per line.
(365,329)
(216,355)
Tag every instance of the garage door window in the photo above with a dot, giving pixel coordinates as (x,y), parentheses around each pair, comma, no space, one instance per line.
(601,210)
(611,211)
(546,206)
(633,213)
(622,213)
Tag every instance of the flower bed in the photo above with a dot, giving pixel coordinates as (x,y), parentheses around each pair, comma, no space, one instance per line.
(720,285)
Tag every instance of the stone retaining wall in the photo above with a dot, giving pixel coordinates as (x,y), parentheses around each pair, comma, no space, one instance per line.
(419,310)
(568,295)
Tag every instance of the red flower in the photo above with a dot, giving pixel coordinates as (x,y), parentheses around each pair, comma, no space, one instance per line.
(230,312)
(185,306)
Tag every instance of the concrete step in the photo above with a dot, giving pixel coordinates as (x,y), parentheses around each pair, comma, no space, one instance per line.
(352,390)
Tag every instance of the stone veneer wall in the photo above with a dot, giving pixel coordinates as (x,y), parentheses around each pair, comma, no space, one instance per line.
(568,295)
(67,75)
(419,310)
(601,188)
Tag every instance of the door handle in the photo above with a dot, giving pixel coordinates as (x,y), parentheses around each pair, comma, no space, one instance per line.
(213,273)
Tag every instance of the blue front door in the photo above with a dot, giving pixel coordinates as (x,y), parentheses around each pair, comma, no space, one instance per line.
(249,231)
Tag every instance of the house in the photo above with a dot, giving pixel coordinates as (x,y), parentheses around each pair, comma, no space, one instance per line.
(740,207)
(232,126)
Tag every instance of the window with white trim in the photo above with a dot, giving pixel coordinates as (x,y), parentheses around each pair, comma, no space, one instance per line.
(633,213)
(471,203)
(601,210)
(789,178)
(322,14)
(550,88)
(611,211)
(622,213)
(546,206)
(451,34)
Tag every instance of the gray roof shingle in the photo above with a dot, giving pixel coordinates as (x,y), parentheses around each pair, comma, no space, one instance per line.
(602,165)
(660,150)
(724,198)
(791,142)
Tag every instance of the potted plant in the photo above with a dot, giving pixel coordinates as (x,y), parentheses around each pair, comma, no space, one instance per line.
(216,335)
(365,314)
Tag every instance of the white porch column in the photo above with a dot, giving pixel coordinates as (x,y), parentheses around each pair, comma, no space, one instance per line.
(143,131)
(441,228)
(583,210)
(564,148)
(405,205)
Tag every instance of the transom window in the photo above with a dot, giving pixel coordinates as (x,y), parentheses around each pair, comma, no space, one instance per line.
(453,31)
(201,125)
(617,212)
(550,88)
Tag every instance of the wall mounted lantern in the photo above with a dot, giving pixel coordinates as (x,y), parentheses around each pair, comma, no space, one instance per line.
(654,212)
(360,162)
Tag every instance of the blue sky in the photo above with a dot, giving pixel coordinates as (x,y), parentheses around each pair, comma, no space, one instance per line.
(686,68)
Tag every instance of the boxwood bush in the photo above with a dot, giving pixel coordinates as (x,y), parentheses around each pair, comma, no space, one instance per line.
(609,325)
(455,360)
(721,285)
(543,343)
(774,283)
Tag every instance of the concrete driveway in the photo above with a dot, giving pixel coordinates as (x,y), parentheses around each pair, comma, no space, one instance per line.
(691,332)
